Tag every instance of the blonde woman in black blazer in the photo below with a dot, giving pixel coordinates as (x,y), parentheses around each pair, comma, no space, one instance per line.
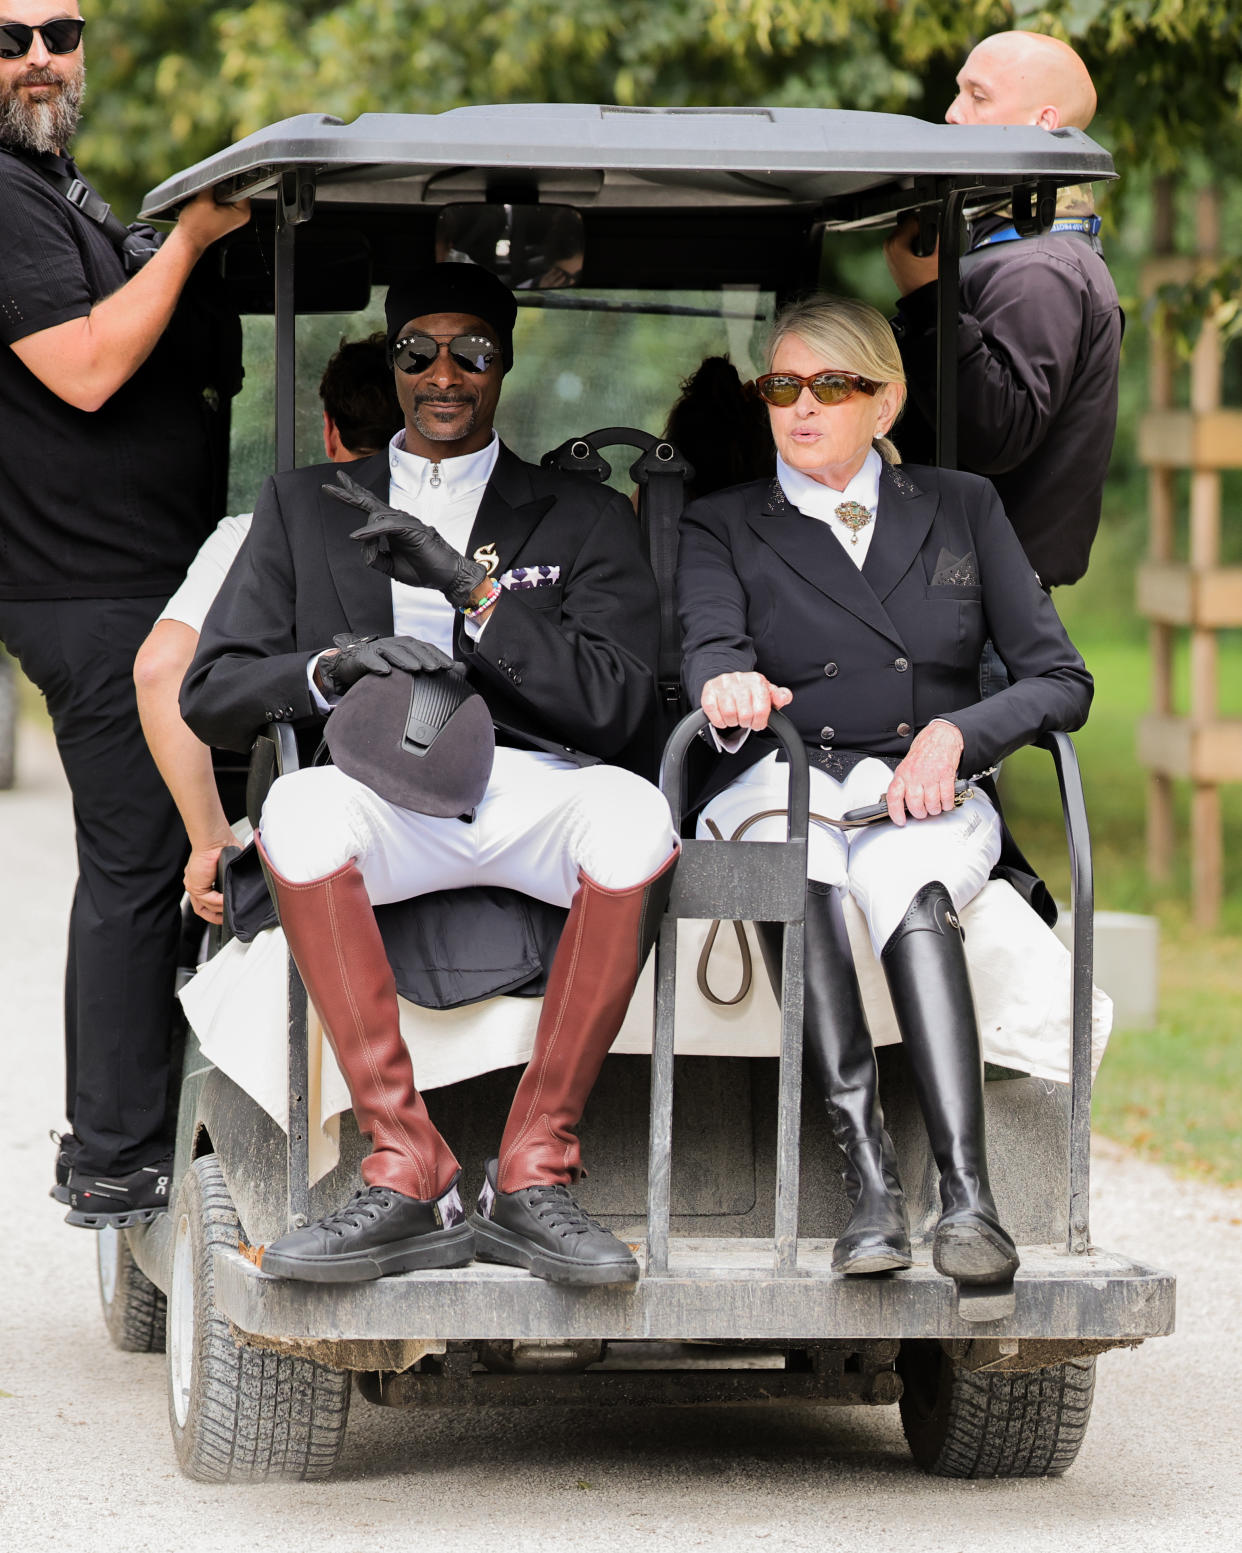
(857,596)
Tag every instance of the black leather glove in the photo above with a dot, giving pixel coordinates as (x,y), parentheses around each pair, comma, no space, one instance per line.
(361,655)
(407,549)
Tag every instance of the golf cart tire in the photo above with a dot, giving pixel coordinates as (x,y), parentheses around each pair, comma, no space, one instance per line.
(975,1424)
(134,1310)
(238,1414)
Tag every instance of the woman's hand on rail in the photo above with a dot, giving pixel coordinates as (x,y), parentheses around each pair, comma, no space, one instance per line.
(922,784)
(743,700)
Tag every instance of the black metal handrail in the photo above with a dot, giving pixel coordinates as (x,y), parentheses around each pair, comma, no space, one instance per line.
(1082,901)
(756,883)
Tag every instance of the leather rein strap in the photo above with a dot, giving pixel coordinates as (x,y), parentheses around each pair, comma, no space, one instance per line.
(743,943)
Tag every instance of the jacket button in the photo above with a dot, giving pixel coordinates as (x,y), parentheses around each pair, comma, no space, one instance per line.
(901,664)
(904,730)
(831,670)
(827,734)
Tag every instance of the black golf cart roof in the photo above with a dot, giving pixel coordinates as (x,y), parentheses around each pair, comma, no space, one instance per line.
(855,167)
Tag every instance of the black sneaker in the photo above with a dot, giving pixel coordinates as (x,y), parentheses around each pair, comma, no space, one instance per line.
(66,1153)
(119,1202)
(542,1228)
(376,1233)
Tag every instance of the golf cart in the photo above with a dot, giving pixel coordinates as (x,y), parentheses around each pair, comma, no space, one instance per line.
(687,227)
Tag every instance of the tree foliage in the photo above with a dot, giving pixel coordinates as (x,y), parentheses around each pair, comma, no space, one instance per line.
(172,80)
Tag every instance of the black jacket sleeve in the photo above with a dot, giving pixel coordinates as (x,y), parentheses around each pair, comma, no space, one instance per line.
(248,670)
(711,601)
(1051,687)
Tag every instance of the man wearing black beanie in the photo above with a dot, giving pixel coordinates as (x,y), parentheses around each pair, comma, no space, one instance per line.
(448,547)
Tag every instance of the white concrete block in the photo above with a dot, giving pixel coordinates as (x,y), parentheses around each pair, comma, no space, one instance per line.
(1127,955)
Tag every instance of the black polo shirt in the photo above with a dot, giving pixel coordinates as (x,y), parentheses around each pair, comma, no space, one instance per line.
(112,503)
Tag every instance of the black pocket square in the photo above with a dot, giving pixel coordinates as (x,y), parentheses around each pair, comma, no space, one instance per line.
(956,570)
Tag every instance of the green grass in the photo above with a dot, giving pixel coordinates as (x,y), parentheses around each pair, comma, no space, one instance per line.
(1173,1092)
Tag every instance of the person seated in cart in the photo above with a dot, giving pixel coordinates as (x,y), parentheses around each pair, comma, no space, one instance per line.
(858,594)
(360,415)
(535,582)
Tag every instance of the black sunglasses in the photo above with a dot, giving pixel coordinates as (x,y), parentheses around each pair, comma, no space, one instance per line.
(60,37)
(785,388)
(471,352)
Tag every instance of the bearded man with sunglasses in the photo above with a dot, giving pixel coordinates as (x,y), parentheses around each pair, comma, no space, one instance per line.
(448,549)
(106,493)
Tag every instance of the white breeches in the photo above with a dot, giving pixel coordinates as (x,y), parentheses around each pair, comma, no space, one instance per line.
(883,866)
(541,820)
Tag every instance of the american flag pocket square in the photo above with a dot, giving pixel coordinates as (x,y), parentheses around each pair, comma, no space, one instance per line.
(530,577)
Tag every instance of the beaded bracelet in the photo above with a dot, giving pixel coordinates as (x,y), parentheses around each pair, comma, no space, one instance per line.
(472,611)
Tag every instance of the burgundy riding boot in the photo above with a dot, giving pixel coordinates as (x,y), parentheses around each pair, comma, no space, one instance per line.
(527,1217)
(410,1215)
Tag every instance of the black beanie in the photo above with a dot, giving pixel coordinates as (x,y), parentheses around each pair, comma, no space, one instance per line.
(453,288)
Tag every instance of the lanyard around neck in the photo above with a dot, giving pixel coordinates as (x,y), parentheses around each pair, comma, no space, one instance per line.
(1089,226)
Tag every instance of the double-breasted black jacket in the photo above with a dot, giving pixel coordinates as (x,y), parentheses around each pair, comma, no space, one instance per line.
(873,655)
(566,667)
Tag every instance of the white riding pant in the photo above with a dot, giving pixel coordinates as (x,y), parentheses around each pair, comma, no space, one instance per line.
(541,820)
(883,866)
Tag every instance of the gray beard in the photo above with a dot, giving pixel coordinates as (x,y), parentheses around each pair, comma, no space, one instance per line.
(433,432)
(45,127)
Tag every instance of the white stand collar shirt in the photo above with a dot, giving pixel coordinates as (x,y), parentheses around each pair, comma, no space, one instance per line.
(446,495)
(820,501)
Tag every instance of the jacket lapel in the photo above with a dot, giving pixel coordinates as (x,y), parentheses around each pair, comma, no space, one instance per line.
(365,594)
(816,556)
(507,514)
(903,517)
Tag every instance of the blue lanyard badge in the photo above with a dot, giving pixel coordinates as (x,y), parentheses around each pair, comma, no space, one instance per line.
(1089,226)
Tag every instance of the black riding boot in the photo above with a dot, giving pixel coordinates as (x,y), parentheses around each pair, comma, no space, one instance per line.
(926,969)
(836,1039)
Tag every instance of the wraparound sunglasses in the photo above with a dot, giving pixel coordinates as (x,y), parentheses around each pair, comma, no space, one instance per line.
(785,388)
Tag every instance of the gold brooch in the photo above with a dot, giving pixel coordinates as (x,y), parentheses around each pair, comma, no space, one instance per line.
(855,517)
(486,556)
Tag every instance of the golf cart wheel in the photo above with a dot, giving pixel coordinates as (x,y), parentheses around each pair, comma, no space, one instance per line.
(965,1424)
(133,1308)
(238,1413)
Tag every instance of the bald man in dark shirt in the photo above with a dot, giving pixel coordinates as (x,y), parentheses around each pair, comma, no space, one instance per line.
(1039,332)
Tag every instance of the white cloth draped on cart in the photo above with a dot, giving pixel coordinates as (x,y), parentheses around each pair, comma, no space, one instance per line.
(1019,969)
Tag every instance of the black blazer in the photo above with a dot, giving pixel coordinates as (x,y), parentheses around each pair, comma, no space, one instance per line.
(872,656)
(567,667)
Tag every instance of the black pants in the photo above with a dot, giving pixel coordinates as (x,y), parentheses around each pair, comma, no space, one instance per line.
(123,926)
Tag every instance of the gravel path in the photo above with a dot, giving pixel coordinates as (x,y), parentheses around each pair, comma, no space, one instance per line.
(85,1458)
